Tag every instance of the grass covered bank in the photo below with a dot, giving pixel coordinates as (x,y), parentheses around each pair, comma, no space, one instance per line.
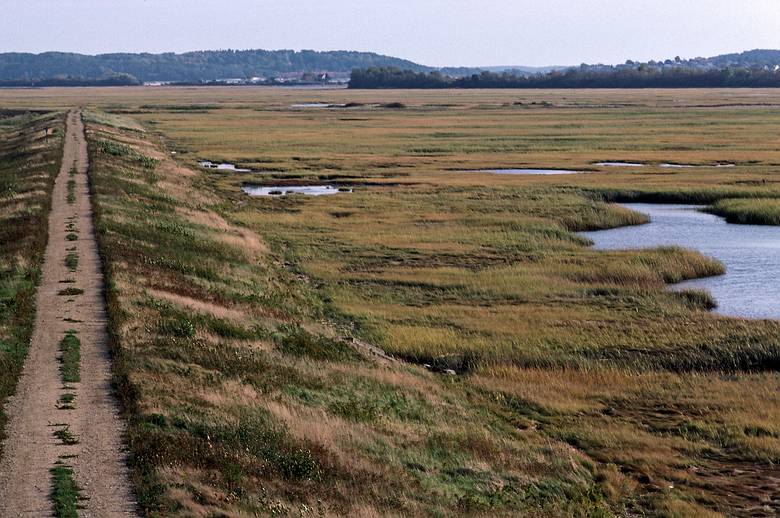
(243,399)
(30,155)
(750,211)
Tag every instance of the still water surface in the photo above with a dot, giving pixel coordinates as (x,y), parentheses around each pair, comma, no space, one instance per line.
(526,171)
(619,164)
(223,166)
(751,253)
(282,190)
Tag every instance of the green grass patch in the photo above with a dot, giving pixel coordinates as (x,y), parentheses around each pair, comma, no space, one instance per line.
(297,342)
(66,401)
(180,327)
(71,197)
(65,491)
(120,150)
(65,435)
(70,359)
(71,292)
(72,261)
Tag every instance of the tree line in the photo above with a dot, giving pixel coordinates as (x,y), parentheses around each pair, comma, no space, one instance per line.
(190,66)
(582,77)
(112,80)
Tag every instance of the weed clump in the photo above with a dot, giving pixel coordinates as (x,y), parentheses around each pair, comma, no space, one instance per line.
(295,341)
(67,402)
(70,292)
(65,491)
(180,327)
(65,435)
(70,360)
(71,192)
(72,261)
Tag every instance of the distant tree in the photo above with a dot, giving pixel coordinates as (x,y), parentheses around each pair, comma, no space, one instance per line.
(644,76)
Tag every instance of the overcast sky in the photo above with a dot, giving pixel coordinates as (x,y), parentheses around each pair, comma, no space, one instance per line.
(432,32)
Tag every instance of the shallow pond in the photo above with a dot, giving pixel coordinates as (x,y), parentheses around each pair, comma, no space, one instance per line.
(282,190)
(311,105)
(751,253)
(526,171)
(619,164)
(691,166)
(222,167)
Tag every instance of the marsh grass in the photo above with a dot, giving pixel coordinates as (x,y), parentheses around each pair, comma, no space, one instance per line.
(699,299)
(224,327)
(297,342)
(752,211)
(585,387)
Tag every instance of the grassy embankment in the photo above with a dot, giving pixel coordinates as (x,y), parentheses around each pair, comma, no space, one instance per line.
(29,162)
(241,401)
(756,211)
(585,387)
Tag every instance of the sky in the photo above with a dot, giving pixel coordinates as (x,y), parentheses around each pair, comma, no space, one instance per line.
(431,32)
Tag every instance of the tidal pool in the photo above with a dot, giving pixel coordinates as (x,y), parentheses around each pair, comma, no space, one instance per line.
(222,167)
(282,190)
(690,166)
(526,171)
(751,253)
(311,105)
(619,164)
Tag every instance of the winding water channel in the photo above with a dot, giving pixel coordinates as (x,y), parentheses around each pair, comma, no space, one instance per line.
(751,253)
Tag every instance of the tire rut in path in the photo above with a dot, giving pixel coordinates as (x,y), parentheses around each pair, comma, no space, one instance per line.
(31,450)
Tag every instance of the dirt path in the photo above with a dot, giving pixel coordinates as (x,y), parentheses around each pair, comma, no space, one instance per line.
(36,411)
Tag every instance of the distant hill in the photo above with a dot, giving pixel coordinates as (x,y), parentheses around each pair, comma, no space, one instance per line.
(191,66)
(63,69)
(749,58)
(758,68)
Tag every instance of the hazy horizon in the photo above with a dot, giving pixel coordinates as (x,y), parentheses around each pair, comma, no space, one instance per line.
(432,32)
